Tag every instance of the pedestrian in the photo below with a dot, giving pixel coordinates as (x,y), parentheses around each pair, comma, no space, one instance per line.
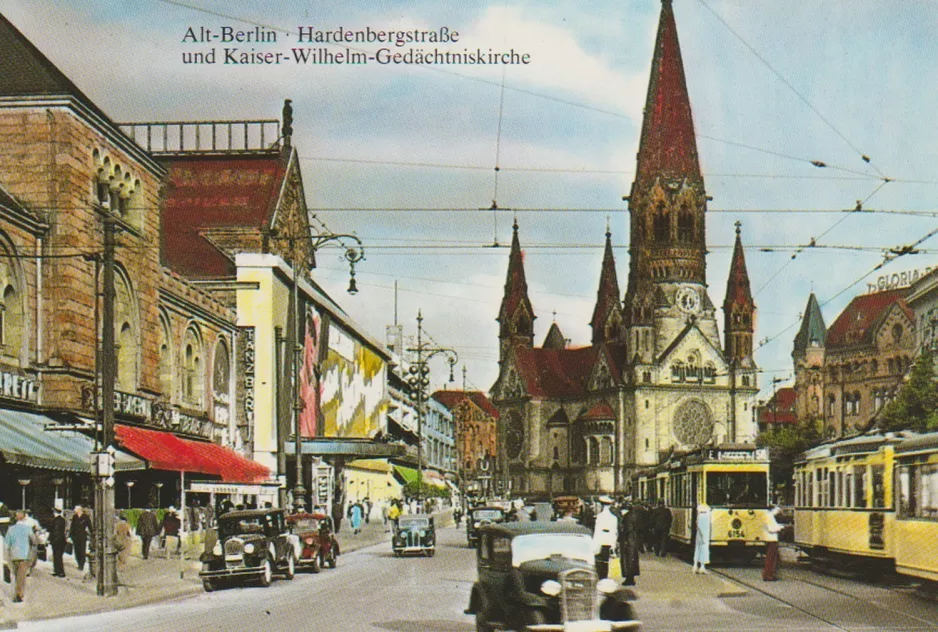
(171,526)
(78,532)
(355,517)
(123,540)
(20,541)
(702,539)
(394,513)
(148,528)
(385,510)
(604,536)
(661,519)
(770,535)
(34,525)
(630,538)
(588,516)
(58,538)
(367,510)
(6,518)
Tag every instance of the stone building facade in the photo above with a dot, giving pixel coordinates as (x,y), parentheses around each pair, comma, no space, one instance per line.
(845,376)
(476,438)
(657,376)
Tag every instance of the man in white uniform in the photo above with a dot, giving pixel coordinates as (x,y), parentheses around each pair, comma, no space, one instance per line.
(604,536)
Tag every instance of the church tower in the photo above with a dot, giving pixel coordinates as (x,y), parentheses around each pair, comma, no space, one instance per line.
(515,316)
(667,206)
(738,308)
(607,314)
(808,358)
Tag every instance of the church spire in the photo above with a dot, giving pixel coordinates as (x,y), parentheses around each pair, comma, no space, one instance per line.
(516,316)
(668,146)
(738,307)
(813,330)
(607,312)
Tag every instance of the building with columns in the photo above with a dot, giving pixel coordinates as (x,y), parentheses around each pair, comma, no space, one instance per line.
(656,376)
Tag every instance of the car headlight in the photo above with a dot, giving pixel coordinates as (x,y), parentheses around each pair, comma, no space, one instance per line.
(309,541)
(475,525)
(216,550)
(606,586)
(248,548)
(551,588)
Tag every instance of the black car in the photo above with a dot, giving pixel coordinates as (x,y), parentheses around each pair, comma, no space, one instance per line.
(479,516)
(415,533)
(541,576)
(251,545)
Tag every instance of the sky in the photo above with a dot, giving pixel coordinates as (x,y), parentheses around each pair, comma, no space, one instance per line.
(775,87)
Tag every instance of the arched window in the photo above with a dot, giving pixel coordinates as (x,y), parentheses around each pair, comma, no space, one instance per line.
(192,369)
(594,451)
(126,359)
(166,359)
(126,333)
(661,224)
(11,322)
(221,382)
(685,225)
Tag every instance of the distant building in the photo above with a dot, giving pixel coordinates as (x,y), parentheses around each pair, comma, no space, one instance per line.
(847,377)
(779,410)
(475,420)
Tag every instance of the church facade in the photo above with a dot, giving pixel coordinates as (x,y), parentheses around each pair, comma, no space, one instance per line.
(657,377)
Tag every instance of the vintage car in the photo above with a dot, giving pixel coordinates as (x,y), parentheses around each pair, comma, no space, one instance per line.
(541,576)
(479,516)
(318,546)
(251,545)
(414,534)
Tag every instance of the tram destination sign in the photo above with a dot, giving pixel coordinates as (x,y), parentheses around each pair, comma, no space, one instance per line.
(755,454)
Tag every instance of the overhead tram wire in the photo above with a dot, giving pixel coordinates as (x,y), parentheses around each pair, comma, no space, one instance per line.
(791,87)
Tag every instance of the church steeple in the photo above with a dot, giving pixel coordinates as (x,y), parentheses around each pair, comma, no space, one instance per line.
(607,314)
(813,330)
(667,204)
(516,316)
(738,307)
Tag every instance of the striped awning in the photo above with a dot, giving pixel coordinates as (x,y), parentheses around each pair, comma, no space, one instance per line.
(29,439)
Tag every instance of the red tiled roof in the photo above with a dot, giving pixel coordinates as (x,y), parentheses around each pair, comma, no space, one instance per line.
(555,372)
(451,399)
(668,146)
(205,192)
(781,408)
(857,322)
(737,289)
(599,412)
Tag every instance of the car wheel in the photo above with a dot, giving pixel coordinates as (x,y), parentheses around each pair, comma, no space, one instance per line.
(268,575)
(290,572)
(431,552)
(332,559)
(208,585)
(315,567)
(482,625)
(535,617)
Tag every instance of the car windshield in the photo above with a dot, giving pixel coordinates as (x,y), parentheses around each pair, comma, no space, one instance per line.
(414,523)
(542,546)
(488,514)
(241,526)
(306,524)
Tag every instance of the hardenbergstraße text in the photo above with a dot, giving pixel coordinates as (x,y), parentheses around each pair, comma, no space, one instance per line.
(368,35)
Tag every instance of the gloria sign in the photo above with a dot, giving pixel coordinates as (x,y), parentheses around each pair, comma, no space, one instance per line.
(896,280)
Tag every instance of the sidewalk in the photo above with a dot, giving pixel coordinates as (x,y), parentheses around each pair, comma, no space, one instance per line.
(142,582)
(672,579)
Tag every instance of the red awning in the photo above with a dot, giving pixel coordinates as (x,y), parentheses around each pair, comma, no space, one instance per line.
(166,451)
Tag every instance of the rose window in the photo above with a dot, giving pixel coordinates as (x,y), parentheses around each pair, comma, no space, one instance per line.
(693,423)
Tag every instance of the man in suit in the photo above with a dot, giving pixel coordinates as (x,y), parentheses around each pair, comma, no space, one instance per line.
(148,527)
(57,538)
(79,531)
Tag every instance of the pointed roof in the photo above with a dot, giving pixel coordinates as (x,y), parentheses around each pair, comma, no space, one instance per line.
(860,320)
(607,296)
(737,287)
(813,330)
(516,286)
(451,399)
(601,411)
(554,338)
(668,146)
(26,72)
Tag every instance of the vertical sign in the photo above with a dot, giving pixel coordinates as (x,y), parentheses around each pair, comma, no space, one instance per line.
(246,370)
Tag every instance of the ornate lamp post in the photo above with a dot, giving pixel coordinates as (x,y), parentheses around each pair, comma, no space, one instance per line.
(130,486)
(351,254)
(419,382)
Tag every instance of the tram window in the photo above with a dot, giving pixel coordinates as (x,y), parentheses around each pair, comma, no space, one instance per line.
(859,489)
(879,486)
(737,489)
(905,493)
(848,490)
(809,498)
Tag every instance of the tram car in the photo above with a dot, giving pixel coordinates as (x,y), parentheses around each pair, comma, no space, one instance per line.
(915,530)
(733,479)
(844,509)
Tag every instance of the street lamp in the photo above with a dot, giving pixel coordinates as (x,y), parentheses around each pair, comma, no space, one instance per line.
(352,255)
(419,382)
(159,489)
(58,483)
(24,482)
(130,485)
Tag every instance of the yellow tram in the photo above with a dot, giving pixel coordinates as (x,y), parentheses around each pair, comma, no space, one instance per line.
(733,479)
(916,523)
(844,501)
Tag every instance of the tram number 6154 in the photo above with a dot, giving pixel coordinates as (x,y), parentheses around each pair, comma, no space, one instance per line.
(735,534)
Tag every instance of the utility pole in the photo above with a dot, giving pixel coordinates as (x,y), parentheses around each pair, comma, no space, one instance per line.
(105,554)
(419,382)
(296,337)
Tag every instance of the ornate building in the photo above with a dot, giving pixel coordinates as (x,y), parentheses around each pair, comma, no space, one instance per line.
(846,374)
(657,377)
(475,419)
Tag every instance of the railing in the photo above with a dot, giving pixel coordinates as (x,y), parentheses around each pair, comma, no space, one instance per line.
(207,137)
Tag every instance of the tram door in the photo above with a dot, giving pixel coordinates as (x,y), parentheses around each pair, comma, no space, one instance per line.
(695,484)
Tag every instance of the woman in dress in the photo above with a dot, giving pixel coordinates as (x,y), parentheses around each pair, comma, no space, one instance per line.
(702,539)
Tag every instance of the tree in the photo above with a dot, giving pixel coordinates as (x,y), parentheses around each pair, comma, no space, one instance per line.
(916,405)
(785,442)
